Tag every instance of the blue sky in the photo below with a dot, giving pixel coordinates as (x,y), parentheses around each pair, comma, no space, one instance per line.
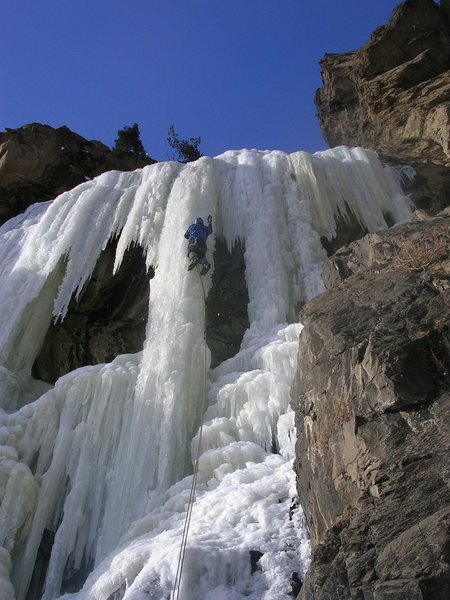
(238,73)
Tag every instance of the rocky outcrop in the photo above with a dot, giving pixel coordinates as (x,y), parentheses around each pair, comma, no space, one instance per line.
(38,162)
(372,391)
(372,399)
(393,96)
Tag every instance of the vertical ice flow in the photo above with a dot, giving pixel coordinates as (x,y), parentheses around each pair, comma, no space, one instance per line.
(103,459)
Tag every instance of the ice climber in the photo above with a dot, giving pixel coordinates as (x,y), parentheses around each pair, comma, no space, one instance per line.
(197,234)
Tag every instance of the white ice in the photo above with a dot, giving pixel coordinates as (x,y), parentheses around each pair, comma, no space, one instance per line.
(104,458)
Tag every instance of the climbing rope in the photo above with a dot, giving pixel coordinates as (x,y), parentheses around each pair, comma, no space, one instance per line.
(187,520)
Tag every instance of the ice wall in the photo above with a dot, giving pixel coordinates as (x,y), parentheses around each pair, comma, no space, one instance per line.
(103,458)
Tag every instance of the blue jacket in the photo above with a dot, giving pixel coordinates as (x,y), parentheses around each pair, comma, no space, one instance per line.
(199,231)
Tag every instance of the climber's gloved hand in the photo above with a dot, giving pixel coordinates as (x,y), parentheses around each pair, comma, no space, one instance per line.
(209,219)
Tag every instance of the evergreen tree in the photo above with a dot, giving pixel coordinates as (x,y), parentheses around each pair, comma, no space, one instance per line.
(187,150)
(128,140)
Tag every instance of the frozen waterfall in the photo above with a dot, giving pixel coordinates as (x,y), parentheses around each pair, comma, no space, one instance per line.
(103,457)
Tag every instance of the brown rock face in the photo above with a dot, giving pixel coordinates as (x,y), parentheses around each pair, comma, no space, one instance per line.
(38,162)
(393,95)
(108,319)
(372,399)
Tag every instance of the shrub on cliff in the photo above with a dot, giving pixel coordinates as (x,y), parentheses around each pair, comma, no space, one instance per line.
(187,150)
(128,140)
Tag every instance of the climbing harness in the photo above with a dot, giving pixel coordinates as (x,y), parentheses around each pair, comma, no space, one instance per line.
(176,586)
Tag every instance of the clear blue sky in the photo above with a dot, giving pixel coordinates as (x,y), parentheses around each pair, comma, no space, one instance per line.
(238,73)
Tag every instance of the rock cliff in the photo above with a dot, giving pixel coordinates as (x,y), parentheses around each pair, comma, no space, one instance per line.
(393,96)
(38,162)
(372,401)
(372,390)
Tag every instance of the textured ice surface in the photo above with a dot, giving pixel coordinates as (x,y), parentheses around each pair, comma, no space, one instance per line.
(104,458)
